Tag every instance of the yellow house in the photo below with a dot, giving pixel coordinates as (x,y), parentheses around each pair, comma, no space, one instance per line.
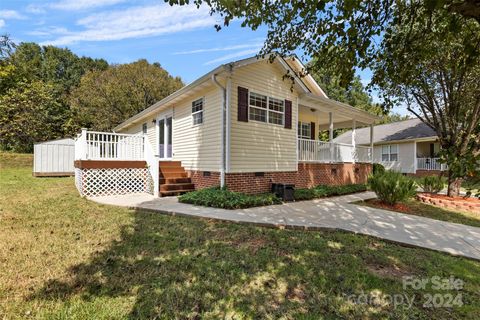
(244,125)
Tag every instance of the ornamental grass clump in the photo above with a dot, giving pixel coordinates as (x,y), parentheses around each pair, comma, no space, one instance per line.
(432,184)
(392,187)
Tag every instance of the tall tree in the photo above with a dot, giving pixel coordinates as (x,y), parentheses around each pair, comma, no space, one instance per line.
(29,112)
(106,98)
(437,77)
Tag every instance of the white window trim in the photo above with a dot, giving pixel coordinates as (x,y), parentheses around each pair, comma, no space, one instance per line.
(268,110)
(300,136)
(389,153)
(197,112)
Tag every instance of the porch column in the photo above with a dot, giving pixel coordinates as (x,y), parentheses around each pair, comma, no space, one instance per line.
(415,161)
(330,134)
(354,133)
(371,142)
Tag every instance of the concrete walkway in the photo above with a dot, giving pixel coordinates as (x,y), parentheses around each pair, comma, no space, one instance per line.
(329,213)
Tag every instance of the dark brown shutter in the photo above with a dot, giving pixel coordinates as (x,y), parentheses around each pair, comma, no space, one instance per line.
(312,133)
(288,114)
(242,104)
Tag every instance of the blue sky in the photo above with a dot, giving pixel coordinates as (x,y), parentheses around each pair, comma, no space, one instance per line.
(183,39)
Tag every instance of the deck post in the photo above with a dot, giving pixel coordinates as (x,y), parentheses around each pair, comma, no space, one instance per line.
(330,134)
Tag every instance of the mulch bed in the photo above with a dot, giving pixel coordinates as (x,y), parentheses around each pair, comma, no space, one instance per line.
(396,207)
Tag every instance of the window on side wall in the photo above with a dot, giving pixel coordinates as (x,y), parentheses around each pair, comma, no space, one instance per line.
(197,111)
(304,130)
(144,128)
(390,152)
(266,109)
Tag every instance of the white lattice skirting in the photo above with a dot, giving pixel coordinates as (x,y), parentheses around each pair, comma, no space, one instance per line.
(106,182)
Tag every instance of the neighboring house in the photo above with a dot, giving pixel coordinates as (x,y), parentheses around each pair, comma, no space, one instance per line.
(243,126)
(408,146)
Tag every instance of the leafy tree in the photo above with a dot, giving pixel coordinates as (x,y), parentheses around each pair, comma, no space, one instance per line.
(341,35)
(29,113)
(106,98)
(433,66)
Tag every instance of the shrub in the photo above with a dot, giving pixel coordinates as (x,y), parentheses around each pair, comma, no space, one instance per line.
(433,184)
(392,187)
(327,191)
(223,198)
(378,168)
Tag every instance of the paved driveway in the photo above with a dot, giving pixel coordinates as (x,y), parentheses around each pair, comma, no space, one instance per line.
(330,213)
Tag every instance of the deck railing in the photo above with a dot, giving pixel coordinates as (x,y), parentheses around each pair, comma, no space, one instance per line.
(430,164)
(319,151)
(94,145)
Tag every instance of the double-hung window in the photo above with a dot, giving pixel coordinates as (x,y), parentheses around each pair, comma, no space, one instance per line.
(197,111)
(390,152)
(266,109)
(304,130)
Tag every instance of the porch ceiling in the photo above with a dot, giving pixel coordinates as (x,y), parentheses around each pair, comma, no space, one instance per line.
(343,114)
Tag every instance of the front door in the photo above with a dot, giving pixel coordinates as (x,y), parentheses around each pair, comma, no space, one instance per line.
(165,136)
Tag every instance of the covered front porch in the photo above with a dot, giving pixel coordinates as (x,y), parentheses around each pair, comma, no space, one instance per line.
(318,115)
(427,158)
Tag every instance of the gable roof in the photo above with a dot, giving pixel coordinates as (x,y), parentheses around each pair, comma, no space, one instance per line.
(410,129)
(291,64)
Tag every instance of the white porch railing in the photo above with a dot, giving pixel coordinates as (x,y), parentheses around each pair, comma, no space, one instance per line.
(319,151)
(94,145)
(430,164)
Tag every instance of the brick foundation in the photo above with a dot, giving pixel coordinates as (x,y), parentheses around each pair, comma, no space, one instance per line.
(307,176)
(202,181)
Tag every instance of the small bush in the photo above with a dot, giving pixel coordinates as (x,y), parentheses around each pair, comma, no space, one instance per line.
(392,187)
(327,191)
(433,184)
(222,198)
(378,168)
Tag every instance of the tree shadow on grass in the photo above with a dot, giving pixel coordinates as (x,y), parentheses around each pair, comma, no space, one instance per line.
(177,267)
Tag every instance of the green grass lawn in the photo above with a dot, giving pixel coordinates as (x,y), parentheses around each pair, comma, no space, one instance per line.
(418,208)
(63,257)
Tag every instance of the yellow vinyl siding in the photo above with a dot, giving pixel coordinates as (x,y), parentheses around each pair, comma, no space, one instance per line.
(199,146)
(258,146)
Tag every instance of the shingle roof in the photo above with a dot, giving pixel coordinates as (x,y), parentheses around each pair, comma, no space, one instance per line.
(401,130)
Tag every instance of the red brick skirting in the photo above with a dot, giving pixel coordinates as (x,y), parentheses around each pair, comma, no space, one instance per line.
(456,204)
(204,179)
(307,176)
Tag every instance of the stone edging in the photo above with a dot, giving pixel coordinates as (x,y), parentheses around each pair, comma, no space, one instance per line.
(473,207)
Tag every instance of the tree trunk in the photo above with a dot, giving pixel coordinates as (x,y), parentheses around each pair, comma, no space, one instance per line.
(454,186)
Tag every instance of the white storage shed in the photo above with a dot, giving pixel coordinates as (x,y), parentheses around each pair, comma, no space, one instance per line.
(54,158)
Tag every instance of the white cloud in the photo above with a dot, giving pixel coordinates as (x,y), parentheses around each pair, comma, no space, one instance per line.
(2,23)
(227,48)
(49,31)
(137,22)
(10,14)
(234,55)
(72,5)
(35,9)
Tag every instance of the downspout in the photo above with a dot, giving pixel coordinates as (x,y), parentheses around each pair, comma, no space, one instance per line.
(223,142)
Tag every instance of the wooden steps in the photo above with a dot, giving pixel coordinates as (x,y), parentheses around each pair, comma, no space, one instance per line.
(174,179)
